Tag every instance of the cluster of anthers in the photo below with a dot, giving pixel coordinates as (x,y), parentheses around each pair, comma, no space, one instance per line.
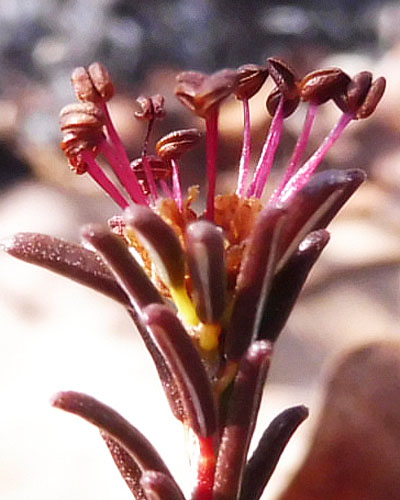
(209,293)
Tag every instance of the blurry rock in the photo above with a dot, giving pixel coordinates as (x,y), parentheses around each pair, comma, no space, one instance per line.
(355,451)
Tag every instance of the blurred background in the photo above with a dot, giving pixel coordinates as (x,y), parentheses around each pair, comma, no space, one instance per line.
(56,335)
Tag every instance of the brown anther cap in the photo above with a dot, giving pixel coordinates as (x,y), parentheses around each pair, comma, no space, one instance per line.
(358,89)
(284,76)
(160,169)
(177,143)
(324,84)
(289,105)
(201,93)
(251,79)
(362,95)
(82,127)
(93,84)
(372,98)
(151,108)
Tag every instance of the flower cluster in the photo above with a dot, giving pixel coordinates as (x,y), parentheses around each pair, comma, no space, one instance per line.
(209,293)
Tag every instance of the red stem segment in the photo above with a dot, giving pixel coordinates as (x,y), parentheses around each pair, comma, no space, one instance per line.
(206,470)
(212,152)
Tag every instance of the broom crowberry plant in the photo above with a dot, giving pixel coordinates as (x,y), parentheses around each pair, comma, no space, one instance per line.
(209,293)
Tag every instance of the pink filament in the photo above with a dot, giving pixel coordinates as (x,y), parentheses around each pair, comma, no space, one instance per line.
(268,154)
(124,173)
(97,174)
(150,178)
(212,151)
(166,190)
(176,184)
(246,151)
(298,150)
(302,176)
(121,164)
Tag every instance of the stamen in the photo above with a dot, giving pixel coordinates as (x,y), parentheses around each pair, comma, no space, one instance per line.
(127,177)
(98,175)
(246,151)
(298,150)
(124,173)
(268,154)
(304,174)
(212,151)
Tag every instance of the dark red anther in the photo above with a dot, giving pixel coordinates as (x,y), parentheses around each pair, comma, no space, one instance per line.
(324,84)
(289,105)
(251,79)
(284,76)
(178,142)
(202,93)
(151,108)
(372,98)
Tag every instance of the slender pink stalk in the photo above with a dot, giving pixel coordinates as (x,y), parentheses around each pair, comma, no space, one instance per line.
(147,169)
(298,150)
(176,184)
(246,150)
(125,174)
(212,152)
(303,175)
(150,178)
(166,190)
(268,154)
(97,174)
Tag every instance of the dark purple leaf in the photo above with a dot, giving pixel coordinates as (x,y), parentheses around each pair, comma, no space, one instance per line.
(287,284)
(129,274)
(314,206)
(241,418)
(270,447)
(160,241)
(186,366)
(115,426)
(254,280)
(68,259)
(159,486)
(205,254)
(127,466)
